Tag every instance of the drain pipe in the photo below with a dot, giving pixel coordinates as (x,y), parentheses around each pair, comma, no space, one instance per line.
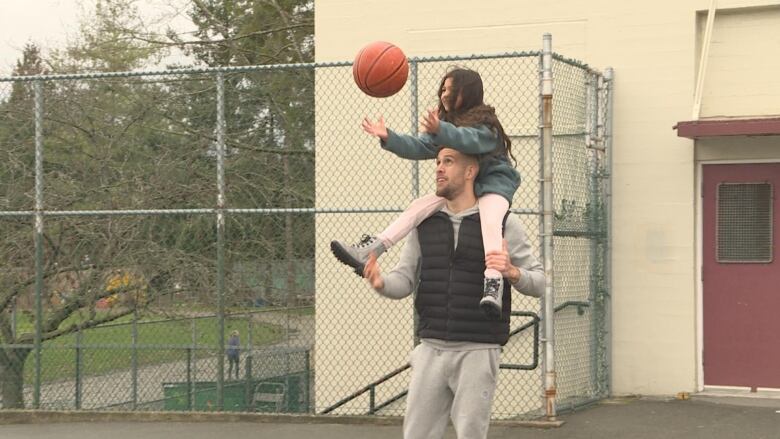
(703,58)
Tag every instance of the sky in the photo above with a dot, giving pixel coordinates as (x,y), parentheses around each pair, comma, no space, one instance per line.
(51,23)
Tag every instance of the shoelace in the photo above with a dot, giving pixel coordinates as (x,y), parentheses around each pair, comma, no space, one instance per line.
(365,241)
(493,289)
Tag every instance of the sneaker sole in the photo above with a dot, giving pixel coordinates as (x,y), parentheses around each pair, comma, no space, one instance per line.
(345,258)
(490,309)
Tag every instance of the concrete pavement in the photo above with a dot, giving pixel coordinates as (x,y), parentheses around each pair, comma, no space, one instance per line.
(634,418)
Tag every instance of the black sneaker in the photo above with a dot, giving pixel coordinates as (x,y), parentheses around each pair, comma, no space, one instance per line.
(356,255)
(491,297)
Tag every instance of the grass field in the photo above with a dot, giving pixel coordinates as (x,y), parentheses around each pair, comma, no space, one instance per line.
(109,348)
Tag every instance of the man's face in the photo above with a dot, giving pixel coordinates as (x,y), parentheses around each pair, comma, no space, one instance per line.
(451,171)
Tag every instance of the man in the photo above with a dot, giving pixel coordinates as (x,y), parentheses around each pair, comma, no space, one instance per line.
(454,368)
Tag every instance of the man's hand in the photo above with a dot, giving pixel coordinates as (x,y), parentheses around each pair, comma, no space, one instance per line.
(500,261)
(377,128)
(430,122)
(372,273)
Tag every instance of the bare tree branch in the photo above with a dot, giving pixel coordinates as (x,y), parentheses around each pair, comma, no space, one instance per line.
(222,40)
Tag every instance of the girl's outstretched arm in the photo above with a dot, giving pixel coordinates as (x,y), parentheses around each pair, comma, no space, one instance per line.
(377,128)
(402,145)
(474,140)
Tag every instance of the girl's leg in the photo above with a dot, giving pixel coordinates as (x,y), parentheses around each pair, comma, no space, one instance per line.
(492,208)
(356,255)
(410,218)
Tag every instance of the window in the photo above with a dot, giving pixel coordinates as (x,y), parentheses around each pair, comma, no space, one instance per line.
(744,222)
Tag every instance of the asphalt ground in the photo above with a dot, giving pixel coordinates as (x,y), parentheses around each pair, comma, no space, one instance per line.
(630,417)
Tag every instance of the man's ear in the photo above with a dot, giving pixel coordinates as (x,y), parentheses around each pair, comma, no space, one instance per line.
(472,171)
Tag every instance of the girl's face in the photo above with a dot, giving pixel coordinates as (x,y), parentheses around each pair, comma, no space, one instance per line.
(446,94)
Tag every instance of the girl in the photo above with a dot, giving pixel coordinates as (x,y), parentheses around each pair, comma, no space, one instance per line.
(462,122)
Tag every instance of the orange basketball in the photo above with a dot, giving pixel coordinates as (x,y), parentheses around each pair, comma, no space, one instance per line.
(380,69)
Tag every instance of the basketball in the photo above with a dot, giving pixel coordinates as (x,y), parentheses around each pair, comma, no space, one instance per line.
(380,69)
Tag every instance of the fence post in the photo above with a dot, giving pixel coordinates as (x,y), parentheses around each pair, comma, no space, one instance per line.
(13,317)
(221,237)
(249,388)
(38,87)
(248,383)
(194,366)
(413,128)
(307,379)
(609,78)
(189,379)
(548,302)
(78,369)
(593,211)
(134,358)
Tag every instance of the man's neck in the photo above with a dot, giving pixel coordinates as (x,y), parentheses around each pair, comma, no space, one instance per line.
(461,203)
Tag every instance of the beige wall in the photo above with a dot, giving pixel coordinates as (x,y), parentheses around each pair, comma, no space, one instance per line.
(742,71)
(653,48)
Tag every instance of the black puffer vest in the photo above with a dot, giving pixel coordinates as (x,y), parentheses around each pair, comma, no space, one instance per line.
(451,282)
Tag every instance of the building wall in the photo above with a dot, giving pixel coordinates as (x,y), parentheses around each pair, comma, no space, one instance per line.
(741,74)
(653,47)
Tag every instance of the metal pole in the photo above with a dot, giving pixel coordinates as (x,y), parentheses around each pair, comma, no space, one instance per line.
(134,358)
(221,236)
(307,378)
(78,370)
(413,128)
(249,329)
(38,87)
(249,344)
(547,182)
(248,383)
(13,318)
(415,115)
(192,377)
(189,379)
(592,148)
(609,78)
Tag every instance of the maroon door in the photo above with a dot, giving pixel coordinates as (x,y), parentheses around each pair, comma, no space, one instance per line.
(741,275)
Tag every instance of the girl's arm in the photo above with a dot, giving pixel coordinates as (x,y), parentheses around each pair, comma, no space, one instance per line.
(404,146)
(475,140)
(410,147)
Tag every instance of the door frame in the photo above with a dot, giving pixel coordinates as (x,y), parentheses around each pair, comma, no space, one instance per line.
(699,265)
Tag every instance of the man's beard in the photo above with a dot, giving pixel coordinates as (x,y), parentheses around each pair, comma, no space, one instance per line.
(448,192)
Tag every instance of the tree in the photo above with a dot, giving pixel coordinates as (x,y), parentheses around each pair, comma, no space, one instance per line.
(270,127)
(100,137)
(147,143)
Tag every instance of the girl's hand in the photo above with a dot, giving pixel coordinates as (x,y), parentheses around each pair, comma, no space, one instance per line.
(430,122)
(377,128)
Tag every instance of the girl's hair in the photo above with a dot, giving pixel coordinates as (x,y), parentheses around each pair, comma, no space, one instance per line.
(467,84)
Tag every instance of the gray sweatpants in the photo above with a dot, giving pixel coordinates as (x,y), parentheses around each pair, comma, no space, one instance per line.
(455,384)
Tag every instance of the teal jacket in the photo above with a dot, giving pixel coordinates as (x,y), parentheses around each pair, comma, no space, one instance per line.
(496,173)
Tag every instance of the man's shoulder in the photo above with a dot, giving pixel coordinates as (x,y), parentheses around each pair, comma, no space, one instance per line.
(513,222)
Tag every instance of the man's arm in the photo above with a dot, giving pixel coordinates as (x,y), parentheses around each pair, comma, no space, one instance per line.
(516,262)
(402,279)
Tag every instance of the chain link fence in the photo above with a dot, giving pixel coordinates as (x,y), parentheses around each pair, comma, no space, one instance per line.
(148,217)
